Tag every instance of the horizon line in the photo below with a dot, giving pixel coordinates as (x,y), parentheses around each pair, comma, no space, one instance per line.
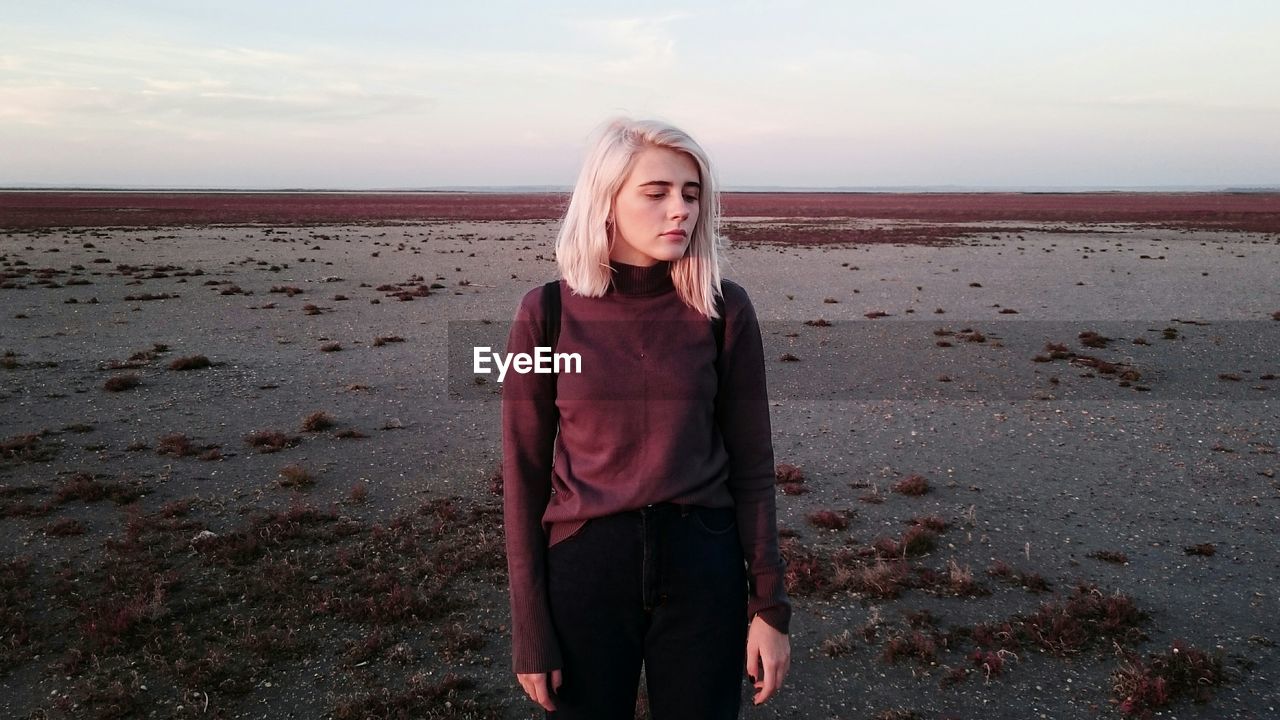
(566,189)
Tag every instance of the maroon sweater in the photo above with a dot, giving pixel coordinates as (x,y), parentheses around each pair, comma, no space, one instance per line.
(649,419)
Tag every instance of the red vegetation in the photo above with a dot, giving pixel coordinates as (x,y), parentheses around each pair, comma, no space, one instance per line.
(266,441)
(84,487)
(121,382)
(828,520)
(27,448)
(788,473)
(175,444)
(1088,616)
(193,362)
(1111,556)
(295,476)
(1183,671)
(1257,212)
(318,420)
(913,485)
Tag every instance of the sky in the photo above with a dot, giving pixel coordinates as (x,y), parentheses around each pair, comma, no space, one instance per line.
(381,95)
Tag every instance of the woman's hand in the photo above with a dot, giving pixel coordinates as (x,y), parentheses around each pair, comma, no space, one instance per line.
(768,658)
(535,686)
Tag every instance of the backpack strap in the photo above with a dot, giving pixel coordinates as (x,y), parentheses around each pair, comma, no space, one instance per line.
(717,327)
(551,313)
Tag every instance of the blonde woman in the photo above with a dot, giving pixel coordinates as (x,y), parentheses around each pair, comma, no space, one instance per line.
(639,493)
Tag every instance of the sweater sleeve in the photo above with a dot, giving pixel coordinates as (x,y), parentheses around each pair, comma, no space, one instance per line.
(529,423)
(742,412)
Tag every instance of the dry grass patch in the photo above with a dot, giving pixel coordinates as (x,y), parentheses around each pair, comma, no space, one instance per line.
(191,362)
(295,476)
(120,383)
(912,485)
(267,441)
(316,421)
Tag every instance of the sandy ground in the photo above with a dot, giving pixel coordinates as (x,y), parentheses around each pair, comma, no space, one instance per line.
(1046,472)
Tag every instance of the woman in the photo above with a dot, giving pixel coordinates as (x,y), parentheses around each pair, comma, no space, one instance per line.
(639,492)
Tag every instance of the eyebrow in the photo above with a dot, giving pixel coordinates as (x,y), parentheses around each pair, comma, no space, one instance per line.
(664,183)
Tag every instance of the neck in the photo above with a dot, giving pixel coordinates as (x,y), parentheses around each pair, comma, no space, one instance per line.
(637,280)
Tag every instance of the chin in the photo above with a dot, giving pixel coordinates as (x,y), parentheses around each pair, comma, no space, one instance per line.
(669,254)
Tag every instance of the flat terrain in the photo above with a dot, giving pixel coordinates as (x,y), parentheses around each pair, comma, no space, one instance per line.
(306,523)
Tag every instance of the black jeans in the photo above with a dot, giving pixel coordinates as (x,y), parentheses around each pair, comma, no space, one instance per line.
(665,585)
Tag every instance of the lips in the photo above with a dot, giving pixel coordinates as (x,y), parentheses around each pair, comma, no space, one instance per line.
(673,234)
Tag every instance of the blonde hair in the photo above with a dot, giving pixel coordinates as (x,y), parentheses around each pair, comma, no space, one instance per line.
(582,247)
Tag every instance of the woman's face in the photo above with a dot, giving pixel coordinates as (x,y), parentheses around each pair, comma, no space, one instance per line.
(656,209)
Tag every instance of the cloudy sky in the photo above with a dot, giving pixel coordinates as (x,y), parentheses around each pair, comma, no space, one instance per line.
(326,94)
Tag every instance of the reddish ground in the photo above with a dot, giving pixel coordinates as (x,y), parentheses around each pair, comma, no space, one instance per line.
(1256,212)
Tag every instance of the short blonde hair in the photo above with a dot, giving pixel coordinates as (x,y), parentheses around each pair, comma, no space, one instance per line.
(582,247)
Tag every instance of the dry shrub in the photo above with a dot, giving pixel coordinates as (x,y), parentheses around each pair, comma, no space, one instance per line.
(85,487)
(806,573)
(1183,671)
(119,383)
(918,646)
(27,447)
(788,473)
(917,540)
(295,476)
(266,441)
(912,485)
(881,579)
(839,644)
(453,696)
(64,527)
(960,581)
(1032,582)
(359,492)
(1111,556)
(1082,620)
(875,497)
(933,522)
(318,420)
(1089,338)
(828,520)
(191,362)
(175,444)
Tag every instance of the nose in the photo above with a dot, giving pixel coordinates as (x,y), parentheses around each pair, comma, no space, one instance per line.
(680,208)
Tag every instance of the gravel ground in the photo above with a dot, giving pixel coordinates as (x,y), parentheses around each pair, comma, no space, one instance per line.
(1037,463)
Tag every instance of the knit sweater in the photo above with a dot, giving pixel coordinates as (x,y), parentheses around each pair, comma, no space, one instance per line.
(650,418)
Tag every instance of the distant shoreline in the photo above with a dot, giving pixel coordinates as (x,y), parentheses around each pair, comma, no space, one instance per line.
(44,209)
(564,190)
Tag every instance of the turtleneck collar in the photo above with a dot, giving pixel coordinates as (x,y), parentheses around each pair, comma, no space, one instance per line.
(635,280)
